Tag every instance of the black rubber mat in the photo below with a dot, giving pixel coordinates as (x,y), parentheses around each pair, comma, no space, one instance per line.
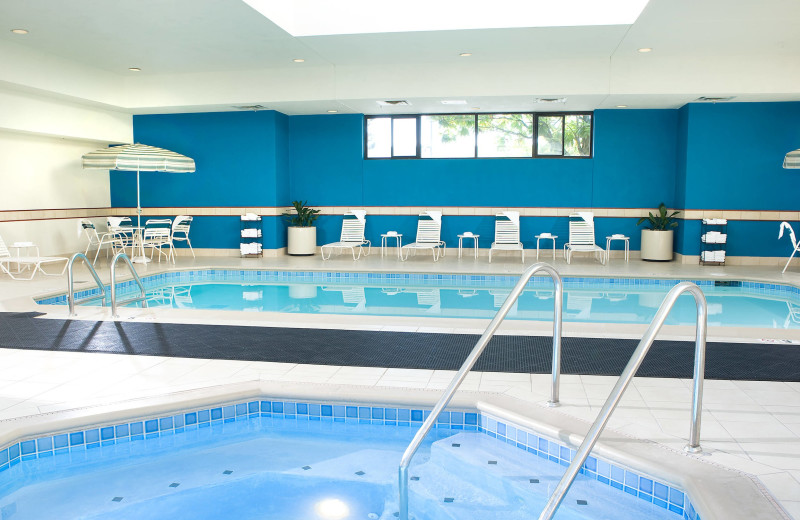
(528,354)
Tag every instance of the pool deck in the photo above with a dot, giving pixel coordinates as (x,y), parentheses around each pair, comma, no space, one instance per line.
(748,426)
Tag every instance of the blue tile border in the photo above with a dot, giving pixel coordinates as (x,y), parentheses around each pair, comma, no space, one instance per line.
(605,472)
(414,279)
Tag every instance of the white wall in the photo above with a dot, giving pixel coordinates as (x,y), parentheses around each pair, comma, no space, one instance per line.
(45,174)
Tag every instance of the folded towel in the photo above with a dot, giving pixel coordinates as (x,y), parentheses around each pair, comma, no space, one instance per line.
(359,213)
(391,233)
(513,216)
(436,216)
(467,234)
(545,235)
(250,216)
(618,235)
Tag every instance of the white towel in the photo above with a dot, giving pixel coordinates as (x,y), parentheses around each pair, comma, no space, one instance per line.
(250,216)
(391,233)
(588,216)
(359,213)
(618,235)
(545,235)
(466,234)
(513,216)
(436,216)
(114,221)
(251,233)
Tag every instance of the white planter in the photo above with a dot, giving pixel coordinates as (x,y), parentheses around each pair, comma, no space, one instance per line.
(657,245)
(302,240)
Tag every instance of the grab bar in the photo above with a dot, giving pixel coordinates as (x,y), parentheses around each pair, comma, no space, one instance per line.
(624,380)
(473,357)
(71,283)
(141,298)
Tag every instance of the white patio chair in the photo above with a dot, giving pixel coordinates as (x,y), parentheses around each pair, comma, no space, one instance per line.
(581,237)
(157,234)
(180,230)
(122,229)
(795,245)
(506,234)
(352,236)
(95,239)
(429,230)
(35,262)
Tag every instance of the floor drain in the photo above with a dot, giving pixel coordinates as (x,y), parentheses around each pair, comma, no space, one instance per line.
(116,499)
(582,502)
(175,484)
(227,472)
(492,462)
(306,468)
(534,481)
(359,473)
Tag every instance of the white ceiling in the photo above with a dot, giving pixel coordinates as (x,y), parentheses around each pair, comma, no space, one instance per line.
(198,55)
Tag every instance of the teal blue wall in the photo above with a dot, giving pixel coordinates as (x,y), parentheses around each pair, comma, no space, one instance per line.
(702,156)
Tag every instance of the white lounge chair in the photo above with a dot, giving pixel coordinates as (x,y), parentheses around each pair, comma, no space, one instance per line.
(157,234)
(795,244)
(180,230)
(506,234)
(122,229)
(35,262)
(429,231)
(581,237)
(352,236)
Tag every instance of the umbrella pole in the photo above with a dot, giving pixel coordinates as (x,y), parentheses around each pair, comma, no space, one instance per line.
(141,259)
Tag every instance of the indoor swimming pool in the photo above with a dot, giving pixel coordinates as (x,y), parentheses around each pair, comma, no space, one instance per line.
(597,300)
(314,461)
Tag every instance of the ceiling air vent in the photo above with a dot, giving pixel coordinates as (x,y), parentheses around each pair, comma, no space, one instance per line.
(709,99)
(394,103)
(550,100)
(254,108)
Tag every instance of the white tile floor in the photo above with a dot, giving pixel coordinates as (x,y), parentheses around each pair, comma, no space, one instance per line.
(751,426)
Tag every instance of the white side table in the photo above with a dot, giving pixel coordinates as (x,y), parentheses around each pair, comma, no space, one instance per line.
(19,246)
(461,240)
(546,236)
(388,236)
(610,239)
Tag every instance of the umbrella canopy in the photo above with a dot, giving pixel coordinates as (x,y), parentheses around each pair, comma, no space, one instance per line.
(792,160)
(138,158)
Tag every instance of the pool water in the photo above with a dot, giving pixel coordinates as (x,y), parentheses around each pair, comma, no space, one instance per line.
(727,306)
(297,469)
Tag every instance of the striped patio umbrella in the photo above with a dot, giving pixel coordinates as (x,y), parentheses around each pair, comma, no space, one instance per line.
(792,160)
(138,158)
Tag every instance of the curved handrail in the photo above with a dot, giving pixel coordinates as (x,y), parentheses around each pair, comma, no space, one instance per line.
(477,350)
(624,380)
(141,298)
(71,301)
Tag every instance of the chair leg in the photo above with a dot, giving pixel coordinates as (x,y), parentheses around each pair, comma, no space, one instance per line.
(789,261)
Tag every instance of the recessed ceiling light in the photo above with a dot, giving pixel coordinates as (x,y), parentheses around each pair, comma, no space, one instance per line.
(645,49)
(622,106)
(298,60)
(476,108)
(332,111)
(465,54)
(454,102)
(19,31)
(134,69)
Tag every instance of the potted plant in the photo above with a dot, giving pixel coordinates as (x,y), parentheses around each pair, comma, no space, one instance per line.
(302,236)
(657,238)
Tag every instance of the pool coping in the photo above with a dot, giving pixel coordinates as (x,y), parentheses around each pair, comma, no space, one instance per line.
(715,491)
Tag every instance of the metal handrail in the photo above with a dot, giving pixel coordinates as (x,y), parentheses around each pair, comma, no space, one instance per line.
(141,298)
(473,357)
(71,301)
(624,380)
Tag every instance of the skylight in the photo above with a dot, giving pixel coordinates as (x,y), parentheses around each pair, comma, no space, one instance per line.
(324,17)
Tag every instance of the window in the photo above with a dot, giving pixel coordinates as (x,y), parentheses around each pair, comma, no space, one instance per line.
(505,135)
(450,136)
(438,136)
(564,135)
(389,137)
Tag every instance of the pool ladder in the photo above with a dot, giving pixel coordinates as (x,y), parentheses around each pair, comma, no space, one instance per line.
(71,284)
(611,403)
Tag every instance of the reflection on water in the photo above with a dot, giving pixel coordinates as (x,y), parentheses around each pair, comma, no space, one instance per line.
(727,306)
